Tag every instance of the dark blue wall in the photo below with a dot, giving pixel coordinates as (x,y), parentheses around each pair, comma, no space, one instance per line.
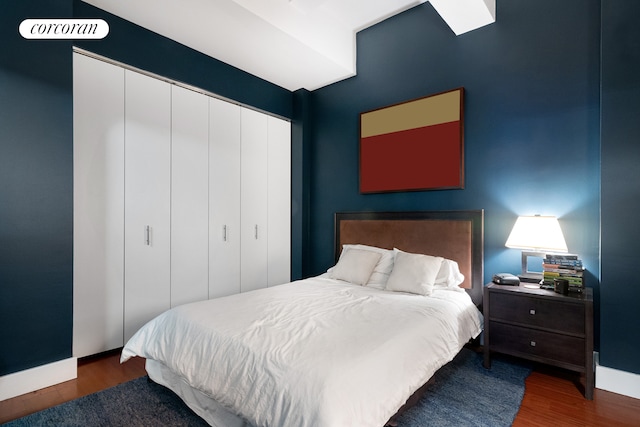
(36,191)
(531,122)
(300,181)
(620,286)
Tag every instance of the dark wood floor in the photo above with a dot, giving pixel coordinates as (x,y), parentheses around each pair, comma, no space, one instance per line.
(551,396)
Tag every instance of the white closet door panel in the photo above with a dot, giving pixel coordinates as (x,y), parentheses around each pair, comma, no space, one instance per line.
(98,266)
(254,200)
(189,196)
(147,199)
(279,205)
(224,198)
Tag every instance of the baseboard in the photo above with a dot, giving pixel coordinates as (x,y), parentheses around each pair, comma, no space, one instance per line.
(33,379)
(616,381)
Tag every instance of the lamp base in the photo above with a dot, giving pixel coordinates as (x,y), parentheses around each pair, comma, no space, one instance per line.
(531,276)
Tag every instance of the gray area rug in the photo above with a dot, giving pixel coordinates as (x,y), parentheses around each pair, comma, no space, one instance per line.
(462,393)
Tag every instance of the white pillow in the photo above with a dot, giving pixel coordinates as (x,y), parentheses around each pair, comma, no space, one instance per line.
(355,266)
(413,273)
(382,269)
(449,276)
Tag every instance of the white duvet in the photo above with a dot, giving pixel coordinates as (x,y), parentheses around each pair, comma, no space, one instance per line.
(316,352)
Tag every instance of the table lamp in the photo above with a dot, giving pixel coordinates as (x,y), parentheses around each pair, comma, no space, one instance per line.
(536,235)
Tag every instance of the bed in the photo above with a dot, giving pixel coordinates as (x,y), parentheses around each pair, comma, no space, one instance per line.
(348,347)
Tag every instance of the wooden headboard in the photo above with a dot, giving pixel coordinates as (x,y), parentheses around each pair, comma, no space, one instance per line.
(456,235)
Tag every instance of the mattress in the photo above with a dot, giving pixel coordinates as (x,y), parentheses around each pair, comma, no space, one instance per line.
(315,352)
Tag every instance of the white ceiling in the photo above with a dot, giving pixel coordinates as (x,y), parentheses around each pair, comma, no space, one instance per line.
(291,43)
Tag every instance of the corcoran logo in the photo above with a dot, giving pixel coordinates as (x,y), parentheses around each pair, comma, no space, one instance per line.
(61,29)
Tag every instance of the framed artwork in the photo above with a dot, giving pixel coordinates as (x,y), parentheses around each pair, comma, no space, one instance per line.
(415,145)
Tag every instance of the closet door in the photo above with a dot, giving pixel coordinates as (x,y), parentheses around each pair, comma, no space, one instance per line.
(98,205)
(189,196)
(147,199)
(224,198)
(279,205)
(254,127)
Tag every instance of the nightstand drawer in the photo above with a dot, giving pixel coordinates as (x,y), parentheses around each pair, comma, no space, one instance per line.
(525,342)
(543,313)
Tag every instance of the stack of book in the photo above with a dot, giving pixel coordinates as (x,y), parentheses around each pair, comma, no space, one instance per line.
(563,266)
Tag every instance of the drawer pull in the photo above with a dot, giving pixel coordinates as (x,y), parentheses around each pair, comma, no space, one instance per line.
(532,343)
(532,311)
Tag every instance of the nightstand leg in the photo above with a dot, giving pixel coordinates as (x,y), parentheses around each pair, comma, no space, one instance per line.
(589,381)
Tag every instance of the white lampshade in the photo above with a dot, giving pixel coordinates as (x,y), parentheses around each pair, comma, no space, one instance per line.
(538,233)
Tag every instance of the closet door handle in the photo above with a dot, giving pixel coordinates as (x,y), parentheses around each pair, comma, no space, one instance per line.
(256,231)
(224,233)
(147,235)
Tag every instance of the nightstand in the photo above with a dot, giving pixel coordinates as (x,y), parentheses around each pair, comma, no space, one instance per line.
(542,326)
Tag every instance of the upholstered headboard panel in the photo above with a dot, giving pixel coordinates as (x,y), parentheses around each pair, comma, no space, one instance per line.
(456,235)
